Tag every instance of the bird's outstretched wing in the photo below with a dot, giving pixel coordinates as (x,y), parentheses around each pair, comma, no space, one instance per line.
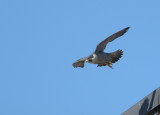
(102,45)
(79,63)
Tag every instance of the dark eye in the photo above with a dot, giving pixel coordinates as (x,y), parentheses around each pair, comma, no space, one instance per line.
(90,60)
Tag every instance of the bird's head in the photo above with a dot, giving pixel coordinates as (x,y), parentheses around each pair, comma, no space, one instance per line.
(90,59)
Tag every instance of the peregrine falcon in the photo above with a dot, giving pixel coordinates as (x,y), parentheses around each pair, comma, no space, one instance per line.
(99,56)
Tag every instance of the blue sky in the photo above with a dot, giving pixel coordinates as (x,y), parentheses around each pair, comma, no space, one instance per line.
(40,39)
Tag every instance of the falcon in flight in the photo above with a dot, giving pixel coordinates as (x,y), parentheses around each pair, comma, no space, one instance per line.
(99,56)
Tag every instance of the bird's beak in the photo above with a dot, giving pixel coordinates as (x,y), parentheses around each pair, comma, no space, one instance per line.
(86,60)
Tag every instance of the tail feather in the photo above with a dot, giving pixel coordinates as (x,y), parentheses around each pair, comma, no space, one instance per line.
(116,55)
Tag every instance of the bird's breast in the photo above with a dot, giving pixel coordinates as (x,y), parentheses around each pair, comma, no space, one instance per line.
(101,58)
(95,59)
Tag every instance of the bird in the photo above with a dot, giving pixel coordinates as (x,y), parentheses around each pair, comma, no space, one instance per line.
(100,57)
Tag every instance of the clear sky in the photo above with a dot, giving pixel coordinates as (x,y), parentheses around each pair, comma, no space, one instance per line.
(40,39)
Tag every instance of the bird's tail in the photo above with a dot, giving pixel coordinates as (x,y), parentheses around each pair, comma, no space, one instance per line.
(116,55)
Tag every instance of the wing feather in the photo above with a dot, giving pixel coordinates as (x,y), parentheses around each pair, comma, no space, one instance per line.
(102,45)
(79,63)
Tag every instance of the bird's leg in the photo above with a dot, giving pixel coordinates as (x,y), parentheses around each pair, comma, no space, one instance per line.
(109,64)
(100,65)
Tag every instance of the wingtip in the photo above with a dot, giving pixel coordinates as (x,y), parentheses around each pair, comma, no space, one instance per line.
(127,28)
